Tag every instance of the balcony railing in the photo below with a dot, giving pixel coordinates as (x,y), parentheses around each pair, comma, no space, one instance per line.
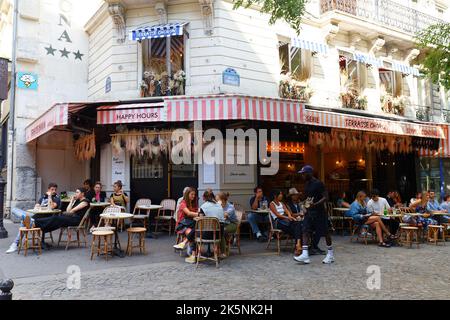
(385,12)
(423,113)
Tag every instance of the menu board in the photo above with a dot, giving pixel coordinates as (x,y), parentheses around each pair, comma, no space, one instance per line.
(118,168)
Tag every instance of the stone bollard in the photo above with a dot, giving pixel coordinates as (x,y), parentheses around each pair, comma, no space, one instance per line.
(5,289)
(3,232)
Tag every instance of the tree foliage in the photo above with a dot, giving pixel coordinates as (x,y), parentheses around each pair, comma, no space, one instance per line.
(435,40)
(291,11)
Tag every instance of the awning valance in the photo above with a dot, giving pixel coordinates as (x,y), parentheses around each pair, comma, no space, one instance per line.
(158,31)
(57,115)
(444,146)
(367,59)
(131,113)
(403,68)
(309,45)
(344,121)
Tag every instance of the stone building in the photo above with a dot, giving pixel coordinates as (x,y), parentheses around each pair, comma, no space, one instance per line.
(152,66)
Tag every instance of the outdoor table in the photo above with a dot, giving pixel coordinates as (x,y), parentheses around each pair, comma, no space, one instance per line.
(44,211)
(149,208)
(100,204)
(438,213)
(260,211)
(117,217)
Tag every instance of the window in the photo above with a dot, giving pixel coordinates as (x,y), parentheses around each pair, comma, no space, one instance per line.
(145,168)
(349,70)
(391,82)
(296,61)
(163,61)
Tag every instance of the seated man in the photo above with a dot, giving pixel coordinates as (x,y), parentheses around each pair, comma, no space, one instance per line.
(49,199)
(254,217)
(445,205)
(72,217)
(433,205)
(377,206)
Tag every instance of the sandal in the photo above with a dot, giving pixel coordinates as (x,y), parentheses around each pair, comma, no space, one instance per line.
(384,244)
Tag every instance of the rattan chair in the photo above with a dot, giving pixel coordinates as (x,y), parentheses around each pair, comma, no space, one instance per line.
(137,211)
(80,229)
(168,206)
(279,236)
(209,227)
(237,235)
(107,225)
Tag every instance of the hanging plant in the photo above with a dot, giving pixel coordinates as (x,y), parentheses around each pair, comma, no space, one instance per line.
(84,147)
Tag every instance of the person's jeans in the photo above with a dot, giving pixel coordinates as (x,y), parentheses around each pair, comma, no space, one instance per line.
(20,214)
(254,218)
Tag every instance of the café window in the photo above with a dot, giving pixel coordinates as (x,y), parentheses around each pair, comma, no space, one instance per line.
(146,168)
(295,61)
(350,72)
(164,71)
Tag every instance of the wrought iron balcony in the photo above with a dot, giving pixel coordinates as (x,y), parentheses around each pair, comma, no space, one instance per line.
(423,113)
(385,12)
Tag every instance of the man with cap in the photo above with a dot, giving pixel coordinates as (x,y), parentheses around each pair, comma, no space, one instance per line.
(316,218)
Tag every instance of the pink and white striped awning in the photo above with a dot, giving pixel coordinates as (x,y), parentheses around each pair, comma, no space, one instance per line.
(233,107)
(57,115)
(344,121)
(444,146)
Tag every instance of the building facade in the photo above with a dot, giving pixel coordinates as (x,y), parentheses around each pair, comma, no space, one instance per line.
(144,68)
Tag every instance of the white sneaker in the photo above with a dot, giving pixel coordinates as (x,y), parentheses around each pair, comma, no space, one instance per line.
(328,259)
(180,246)
(12,248)
(303,258)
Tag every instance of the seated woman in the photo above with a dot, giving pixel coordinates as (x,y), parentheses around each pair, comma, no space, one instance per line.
(341,202)
(97,196)
(397,200)
(284,220)
(420,206)
(187,211)
(118,197)
(72,217)
(416,199)
(358,212)
(231,220)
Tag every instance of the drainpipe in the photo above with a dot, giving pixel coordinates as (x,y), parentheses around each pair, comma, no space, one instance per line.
(12,114)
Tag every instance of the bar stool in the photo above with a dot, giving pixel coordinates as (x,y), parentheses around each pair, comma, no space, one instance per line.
(102,248)
(446,230)
(433,234)
(132,232)
(408,234)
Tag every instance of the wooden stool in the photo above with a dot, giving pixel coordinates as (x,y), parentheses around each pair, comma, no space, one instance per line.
(104,248)
(446,230)
(36,239)
(433,234)
(141,245)
(408,234)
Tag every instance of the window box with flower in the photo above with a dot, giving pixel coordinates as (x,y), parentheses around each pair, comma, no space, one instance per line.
(156,85)
(393,105)
(290,88)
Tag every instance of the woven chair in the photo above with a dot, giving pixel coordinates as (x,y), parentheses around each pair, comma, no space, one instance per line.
(137,211)
(278,234)
(107,226)
(36,237)
(80,229)
(210,227)
(244,221)
(362,231)
(237,235)
(168,206)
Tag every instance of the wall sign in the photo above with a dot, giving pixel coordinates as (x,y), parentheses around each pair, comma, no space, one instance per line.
(231,77)
(27,80)
(118,168)
(108,85)
(239,173)
(3,79)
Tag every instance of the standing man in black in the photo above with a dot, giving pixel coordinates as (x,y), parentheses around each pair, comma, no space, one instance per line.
(316,218)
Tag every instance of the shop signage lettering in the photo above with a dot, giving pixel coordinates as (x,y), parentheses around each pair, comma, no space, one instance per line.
(312,119)
(41,127)
(363,124)
(139,115)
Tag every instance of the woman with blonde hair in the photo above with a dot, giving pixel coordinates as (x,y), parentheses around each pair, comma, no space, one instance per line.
(358,212)
(231,221)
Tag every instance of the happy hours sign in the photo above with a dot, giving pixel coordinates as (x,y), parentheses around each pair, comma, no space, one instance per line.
(130,115)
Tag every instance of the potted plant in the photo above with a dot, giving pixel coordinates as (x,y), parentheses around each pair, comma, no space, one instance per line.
(361,101)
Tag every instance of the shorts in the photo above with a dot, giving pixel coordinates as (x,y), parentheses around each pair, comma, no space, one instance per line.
(317,222)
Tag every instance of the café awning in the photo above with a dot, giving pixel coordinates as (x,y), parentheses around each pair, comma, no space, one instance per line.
(131,113)
(353,122)
(444,146)
(367,59)
(57,115)
(158,31)
(309,45)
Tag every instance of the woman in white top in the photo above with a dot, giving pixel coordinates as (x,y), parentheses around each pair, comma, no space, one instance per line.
(283,219)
